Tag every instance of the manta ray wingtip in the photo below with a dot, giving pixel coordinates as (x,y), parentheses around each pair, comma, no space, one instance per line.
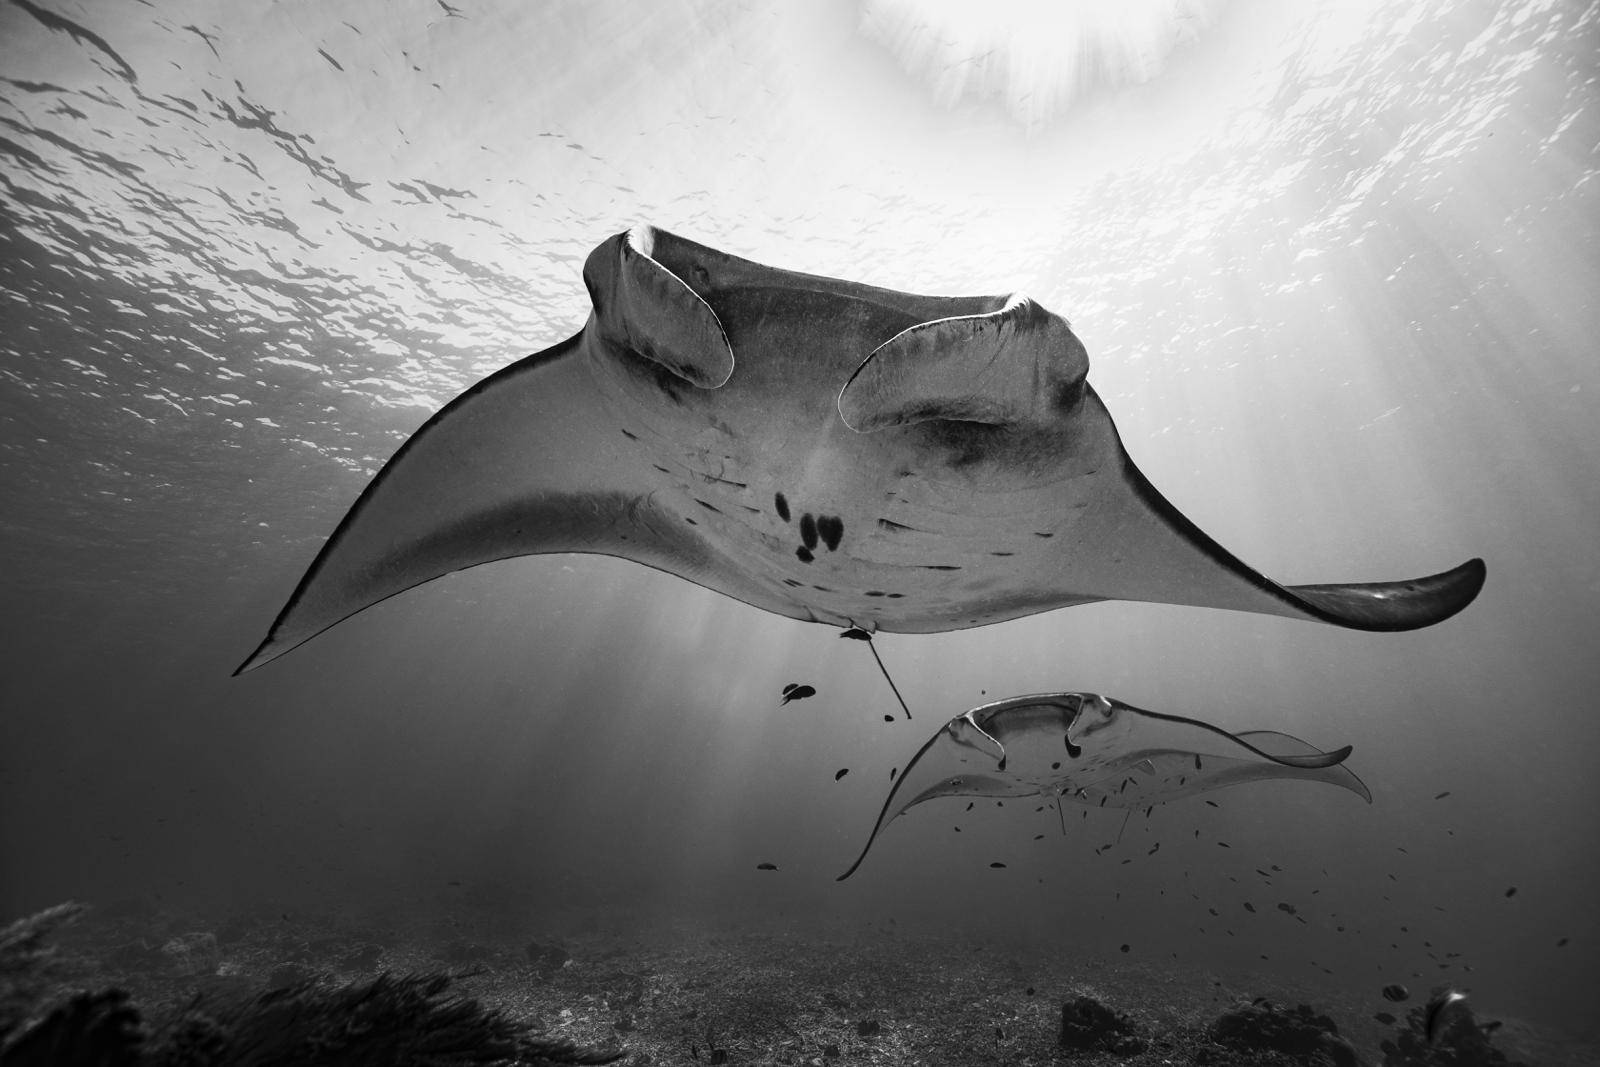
(250,663)
(1395,606)
(267,651)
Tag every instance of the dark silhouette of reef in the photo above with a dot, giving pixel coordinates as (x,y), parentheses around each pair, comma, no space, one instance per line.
(1262,1026)
(1089,1026)
(1458,1041)
(406,1020)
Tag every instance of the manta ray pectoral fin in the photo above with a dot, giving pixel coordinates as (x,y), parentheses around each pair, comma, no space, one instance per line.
(530,460)
(1279,748)
(1315,760)
(1165,557)
(1290,751)
(641,304)
(525,462)
(1011,365)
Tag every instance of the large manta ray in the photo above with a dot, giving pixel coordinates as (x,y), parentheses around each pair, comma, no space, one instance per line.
(821,449)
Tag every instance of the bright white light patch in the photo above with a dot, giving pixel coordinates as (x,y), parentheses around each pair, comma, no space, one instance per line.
(1036,56)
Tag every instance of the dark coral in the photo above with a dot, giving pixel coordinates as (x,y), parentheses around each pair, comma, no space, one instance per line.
(1299,1032)
(28,962)
(1458,1042)
(409,1019)
(390,1021)
(90,1029)
(1089,1026)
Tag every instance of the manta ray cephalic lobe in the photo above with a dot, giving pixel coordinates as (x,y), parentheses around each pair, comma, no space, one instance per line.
(822,449)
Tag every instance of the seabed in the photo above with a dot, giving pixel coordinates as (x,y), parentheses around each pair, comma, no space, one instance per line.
(707,990)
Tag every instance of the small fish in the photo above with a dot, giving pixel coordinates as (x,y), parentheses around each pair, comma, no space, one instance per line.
(997,866)
(1396,993)
(1251,908)
(1437,1017)
(1038,837)
(1441,796)
(892,772)
(1213,803)
(1384,1017)
(766,866)
(1030,991)
(1286,908)
(1154,849)
(888,718)
(856,633)
(970,803)
(840,773)
(799,692)
(1511,892)
(1126,948)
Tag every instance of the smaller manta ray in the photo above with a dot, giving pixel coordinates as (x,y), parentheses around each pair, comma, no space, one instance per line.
(1099,752)
(792,691)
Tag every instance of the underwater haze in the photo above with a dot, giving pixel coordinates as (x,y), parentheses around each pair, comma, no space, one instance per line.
(1337,269)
